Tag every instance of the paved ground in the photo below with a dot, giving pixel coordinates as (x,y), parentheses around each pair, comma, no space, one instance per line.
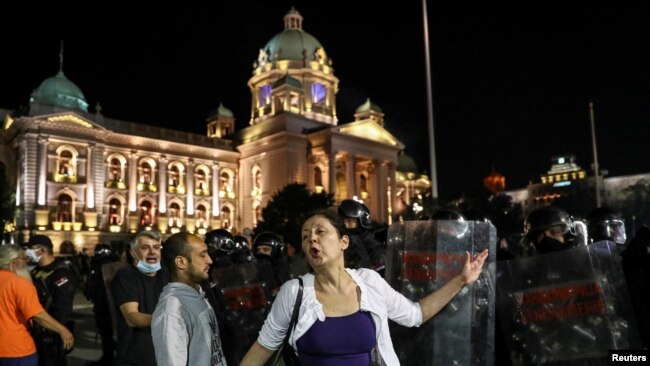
(87,346)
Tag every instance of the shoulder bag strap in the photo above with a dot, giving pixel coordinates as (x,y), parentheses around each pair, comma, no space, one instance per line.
(294,314)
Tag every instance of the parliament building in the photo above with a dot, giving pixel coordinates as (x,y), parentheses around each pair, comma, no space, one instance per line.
(88,178)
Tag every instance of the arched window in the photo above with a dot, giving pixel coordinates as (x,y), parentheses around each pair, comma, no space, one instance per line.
(174,176)
(146,213)
(265,95)
(225,181)
(258,179)
(318,177)
(65,163)
(64,208)
(318,93)
(226,217)
(146,173)
(115,170)
(201,181)
(174,215)
(114,212)
(201,216)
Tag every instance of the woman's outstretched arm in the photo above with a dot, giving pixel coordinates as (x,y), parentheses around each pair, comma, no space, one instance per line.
(436,300)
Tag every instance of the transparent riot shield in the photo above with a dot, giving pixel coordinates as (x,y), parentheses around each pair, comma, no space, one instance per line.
(108,272)
(565,308)
(244,294)
(421,257)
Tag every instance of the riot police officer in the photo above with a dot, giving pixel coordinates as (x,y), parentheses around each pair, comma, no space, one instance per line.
(56,284)
(269,247)
(549,229)
(603,223)
(364,248)
(95,292)
(242,252)
(220,245)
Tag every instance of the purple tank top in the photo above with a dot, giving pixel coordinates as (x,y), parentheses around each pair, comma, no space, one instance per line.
(339,341)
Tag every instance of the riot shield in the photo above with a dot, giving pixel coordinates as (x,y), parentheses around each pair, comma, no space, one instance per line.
(565,308)
(421,257)
(108,272)
(243,291)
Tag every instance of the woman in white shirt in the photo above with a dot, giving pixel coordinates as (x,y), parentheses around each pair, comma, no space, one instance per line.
(343,317)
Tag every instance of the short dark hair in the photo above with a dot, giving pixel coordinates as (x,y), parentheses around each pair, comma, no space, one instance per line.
(176,245)
(332,217)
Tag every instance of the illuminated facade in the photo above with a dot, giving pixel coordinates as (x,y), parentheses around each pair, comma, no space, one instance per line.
(88,178)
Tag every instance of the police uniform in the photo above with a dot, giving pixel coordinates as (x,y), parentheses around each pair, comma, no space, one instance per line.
(55,284)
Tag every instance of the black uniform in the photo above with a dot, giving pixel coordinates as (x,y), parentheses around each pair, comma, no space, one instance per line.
(56,284)
(95,291)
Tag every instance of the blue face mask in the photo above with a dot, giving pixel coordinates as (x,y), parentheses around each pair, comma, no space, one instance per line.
(147,268)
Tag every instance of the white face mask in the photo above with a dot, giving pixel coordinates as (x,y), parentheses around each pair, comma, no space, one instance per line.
(31,254)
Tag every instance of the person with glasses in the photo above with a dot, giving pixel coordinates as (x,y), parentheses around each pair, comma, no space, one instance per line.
(19,306)
(135,289)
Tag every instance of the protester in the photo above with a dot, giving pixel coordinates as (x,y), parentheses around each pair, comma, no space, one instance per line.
(184,325)
(344,313)
(136,288)
(18,306)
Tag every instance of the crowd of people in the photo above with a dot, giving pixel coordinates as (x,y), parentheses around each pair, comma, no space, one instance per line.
(173,303)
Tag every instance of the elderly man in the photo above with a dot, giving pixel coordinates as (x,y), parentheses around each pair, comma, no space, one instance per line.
(56,284)
(135,289)
(184,326)
(19,305)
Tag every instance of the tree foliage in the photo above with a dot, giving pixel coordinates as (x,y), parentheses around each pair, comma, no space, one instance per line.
(288,208)
(7,200)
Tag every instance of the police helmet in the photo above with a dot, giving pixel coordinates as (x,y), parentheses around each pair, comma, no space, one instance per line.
(354,209)
(545,218)
(447,214)
(603,223)
(272,240)
(220,240)
(104,250)
(454,223)
(241,244)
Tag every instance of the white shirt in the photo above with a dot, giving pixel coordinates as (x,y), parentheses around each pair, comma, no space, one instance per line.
(377,298)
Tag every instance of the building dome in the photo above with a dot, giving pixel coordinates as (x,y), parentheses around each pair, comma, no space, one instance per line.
(406,163)
(293,44)
(61,92)
(368,106)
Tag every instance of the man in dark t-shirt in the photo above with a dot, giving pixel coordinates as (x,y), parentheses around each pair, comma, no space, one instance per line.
(136,288)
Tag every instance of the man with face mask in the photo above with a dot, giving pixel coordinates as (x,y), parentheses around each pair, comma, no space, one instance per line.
(136,288)
(18,305)
(56,284)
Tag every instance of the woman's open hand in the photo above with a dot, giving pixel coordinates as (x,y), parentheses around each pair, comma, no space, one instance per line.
(472,267)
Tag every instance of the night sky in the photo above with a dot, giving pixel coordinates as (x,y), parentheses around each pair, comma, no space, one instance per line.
(511,84)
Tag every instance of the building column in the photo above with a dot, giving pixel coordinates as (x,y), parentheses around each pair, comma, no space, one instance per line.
(162,184)
(393,190)
(42,171)
(350,175)
(90,214)
(382,194)
(190,187)
(331,173)
(41,211)
(133,182)
(215,220)
(90,182)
